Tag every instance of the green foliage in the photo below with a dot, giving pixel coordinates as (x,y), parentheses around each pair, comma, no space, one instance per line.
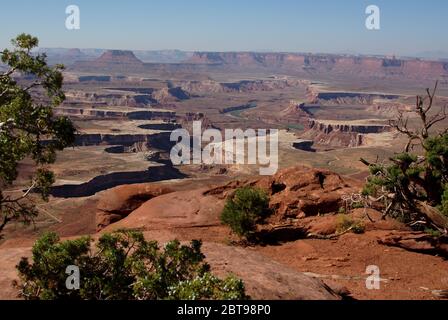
(357,205)
(29,90)
(444,204)
(346,223)
(370,188)
(410,178)
(437,156)
(123,266)
(433,233)
(244,210)
(209,287)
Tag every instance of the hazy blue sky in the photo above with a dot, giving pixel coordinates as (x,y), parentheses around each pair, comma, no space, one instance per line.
(407,27)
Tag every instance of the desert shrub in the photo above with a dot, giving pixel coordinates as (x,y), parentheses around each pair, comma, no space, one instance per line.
(346,223)
(244,210)
(123,266)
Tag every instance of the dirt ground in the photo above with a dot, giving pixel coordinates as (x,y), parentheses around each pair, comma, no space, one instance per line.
(407,275)
(339,263)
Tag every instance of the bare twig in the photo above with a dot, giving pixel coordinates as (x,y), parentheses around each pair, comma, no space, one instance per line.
(401,124)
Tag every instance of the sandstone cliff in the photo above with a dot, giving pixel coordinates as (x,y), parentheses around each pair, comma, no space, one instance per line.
(349,65)
(342,134)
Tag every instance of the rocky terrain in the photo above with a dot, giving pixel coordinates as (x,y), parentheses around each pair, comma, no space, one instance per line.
(304,256)
(330,110)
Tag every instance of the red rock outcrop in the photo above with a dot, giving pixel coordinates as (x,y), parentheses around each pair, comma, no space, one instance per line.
(417,242)
(117,203)
(300,192)
(369,218)
(294,193)
(177,209)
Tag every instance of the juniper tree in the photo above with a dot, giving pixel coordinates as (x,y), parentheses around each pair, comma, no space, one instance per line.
(414,186)
(29,90)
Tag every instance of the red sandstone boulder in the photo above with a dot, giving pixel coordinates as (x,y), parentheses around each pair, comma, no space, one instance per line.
(300,192)
(189,208)
(117,203)
(416,241)
(265,279)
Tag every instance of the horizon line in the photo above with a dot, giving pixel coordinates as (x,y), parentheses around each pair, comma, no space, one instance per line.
(377,55)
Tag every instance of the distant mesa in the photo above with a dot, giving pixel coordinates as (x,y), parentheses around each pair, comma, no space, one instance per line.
(366,66)
(112,60)
(74,52)
(118,57)
(163,56)
(65,56)
(292,63)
